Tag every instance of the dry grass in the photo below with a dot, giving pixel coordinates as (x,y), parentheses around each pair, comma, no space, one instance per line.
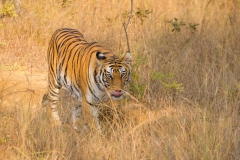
(199,121)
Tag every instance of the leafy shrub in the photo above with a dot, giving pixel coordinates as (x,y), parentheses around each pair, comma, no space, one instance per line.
(8,10)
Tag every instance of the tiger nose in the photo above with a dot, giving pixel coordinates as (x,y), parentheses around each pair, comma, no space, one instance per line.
(117,85)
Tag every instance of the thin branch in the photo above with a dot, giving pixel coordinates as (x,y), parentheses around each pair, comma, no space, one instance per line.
(125,29)
(125,25)
(130,16)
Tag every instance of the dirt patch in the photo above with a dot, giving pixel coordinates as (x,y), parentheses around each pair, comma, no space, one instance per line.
(16,85)
(31,79)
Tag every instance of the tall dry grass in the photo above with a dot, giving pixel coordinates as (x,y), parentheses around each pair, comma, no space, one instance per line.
(185,88)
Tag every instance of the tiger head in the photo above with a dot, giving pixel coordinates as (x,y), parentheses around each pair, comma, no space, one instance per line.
(114,73)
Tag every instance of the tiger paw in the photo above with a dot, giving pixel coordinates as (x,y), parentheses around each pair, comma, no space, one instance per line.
(56,124)
(81,130)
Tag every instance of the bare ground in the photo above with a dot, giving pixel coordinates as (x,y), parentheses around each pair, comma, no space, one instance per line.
(17,84)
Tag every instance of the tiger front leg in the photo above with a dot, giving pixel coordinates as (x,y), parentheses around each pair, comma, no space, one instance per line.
(47,102)
(53,96)
(77,118)
(90,115)
(55,115)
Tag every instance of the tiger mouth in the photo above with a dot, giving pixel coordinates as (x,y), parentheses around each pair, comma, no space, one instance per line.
(116,93)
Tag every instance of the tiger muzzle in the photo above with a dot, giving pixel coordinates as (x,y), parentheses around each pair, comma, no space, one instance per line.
(116,93)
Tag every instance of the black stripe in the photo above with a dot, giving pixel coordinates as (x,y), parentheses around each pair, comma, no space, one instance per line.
(88,81)
(96,82)
(90,103)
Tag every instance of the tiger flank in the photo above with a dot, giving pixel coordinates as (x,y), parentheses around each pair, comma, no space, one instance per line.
(88,71)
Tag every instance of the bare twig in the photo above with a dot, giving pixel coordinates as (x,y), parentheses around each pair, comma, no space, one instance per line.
(125,25)
(130,16)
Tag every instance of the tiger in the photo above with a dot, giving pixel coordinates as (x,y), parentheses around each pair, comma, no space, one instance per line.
(88,71)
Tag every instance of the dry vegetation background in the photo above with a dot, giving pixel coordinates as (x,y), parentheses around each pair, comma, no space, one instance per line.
(185,92)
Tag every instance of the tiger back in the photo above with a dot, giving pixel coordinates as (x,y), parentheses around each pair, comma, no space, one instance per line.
(88,71)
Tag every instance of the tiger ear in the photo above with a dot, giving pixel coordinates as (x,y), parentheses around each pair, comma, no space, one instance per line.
(127,57)
(100,56)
